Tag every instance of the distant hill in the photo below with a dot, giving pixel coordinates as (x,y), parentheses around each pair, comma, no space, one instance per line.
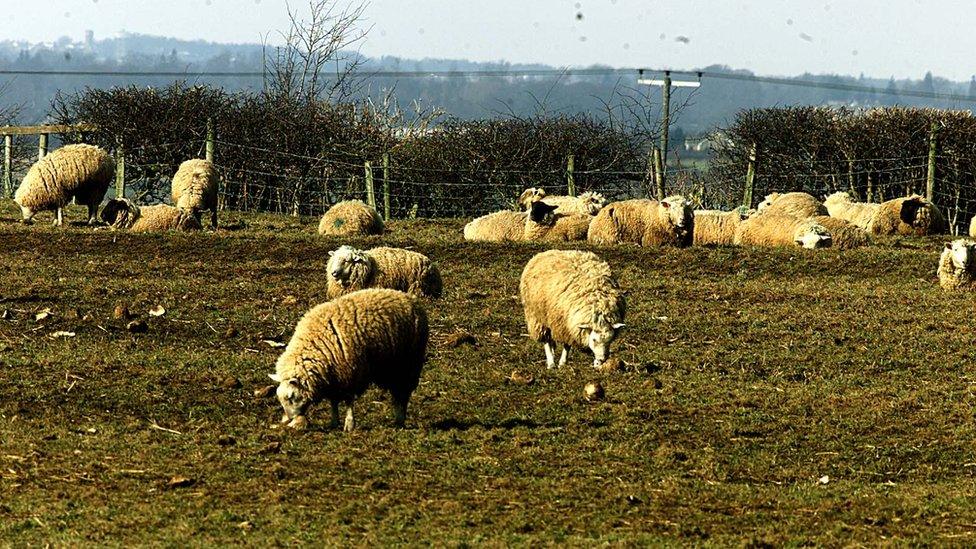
(470,97)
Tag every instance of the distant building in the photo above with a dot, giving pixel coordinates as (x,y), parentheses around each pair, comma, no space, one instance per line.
(698,144)
(89,39)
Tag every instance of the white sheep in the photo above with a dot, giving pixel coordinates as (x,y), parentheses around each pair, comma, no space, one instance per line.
(350,269)
(350,218)
(767,229)
(910,216)
(571,298)
(588,203)
(122,213)
(716,226)
(546,224)
(195,188)
(957,270)
(82,172)
(670,222)
(500,226)
(842,206)
(369,337)
(801,205)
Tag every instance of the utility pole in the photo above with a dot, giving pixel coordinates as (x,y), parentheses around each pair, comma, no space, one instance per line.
(666,84)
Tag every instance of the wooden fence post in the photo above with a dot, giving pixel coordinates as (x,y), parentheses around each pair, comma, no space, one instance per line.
(570,180)
(750,179)
(210,140)
(930,176)
(370,192)
(658,174)
(8,156)
(386,186)
(41,146)
(119,171)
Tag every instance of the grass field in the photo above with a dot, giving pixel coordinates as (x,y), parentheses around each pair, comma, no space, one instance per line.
(771,396)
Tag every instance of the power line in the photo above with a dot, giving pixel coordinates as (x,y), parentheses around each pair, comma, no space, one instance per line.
(512,73)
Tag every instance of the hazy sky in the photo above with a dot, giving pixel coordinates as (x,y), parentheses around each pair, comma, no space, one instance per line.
(880,38)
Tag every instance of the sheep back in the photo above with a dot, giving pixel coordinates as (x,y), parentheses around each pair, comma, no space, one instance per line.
(796,204)
(349,218)
(844,234)
(163,217)
(195,186)
(562,289)
(643,222)
(716,227)
(545,224)
(767,229)
(499,226)
(373,336)
(83,172)
(841,206)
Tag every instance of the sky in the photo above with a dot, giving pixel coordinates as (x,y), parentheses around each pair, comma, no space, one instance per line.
(900,38)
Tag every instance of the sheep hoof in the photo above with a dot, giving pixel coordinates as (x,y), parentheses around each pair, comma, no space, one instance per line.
(299,423)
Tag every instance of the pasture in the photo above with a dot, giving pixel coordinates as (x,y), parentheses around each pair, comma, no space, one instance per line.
(770,396)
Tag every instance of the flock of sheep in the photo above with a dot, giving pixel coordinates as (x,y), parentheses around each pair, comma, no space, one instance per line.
(374,328)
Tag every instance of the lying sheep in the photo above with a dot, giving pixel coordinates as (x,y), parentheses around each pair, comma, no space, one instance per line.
(82,172)
(767,229)
(351,218)
(350,269)
(501,226)
(801,205)
(842,206)
(670,222)
(957,271)
(588,203)
(716,226)
(374,336)
(544,223)
(909,216)
(571,298)
(844,235)
(195,188)
(122,213)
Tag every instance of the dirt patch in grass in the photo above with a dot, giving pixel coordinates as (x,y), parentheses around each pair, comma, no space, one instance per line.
(769,396)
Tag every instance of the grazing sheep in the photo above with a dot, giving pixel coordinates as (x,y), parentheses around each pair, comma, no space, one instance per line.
(501,226)
(195,188)
(374,336)
(350,269)
(670,222)
(544,224)
(351,218)
(909,216)
(801,205)
(957,270)
(782,230)
(842,206)
(122,213)
(82,172)
(716,227)
(571,298)
(972,227)
(844,235)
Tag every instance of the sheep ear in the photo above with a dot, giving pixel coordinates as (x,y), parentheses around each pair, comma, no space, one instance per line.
(275,377)
(948,245)
(293,382)
(584,327)
(666,205)
(618,325)
(331,253)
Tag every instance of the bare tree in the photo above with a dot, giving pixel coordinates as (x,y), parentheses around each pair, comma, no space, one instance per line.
(320,55)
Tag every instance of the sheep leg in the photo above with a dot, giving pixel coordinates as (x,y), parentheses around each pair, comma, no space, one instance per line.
(399,412)
(349,423)
(550,356)
(564,355)
(58,217)
(213,219)
(92,213)
(335,413)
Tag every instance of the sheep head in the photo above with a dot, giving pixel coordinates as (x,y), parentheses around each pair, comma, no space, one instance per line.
(541,213)
(530,195)
(812,235)
(600,333)
(120,212)
(294,397)
(959,250)
(678,212)
(839,197)
(914,211)
(592,202)
(767,202)
(347,264)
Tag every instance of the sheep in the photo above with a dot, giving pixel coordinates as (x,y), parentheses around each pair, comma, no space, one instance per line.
(972,227)
(842,206)
(716,227)
(571,298)
(645,223)
(801,205)
(844,235)
(82,172)
(911,215)
(767,229)
(122,213)
(501,226)
(349,218)
(545,224)
(374,336)
(195,188)
(956,270)
(350,269)
(588,203)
